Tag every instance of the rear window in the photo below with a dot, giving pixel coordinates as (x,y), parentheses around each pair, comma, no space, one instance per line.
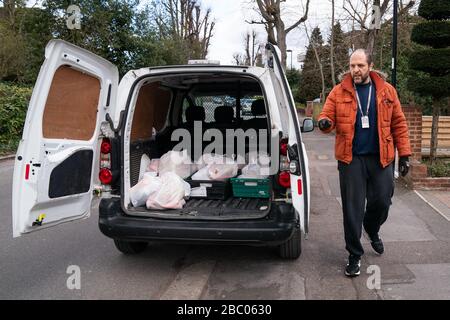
(211,102)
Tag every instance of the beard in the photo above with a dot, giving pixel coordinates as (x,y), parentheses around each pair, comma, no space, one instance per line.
(360,78)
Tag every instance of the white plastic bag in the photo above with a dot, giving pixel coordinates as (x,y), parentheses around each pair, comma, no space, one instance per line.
(258,166)
(177,162)
(171,193)
(222,171)
(145,161)
(215,167)
(153,166)
(142,190)
(201,174)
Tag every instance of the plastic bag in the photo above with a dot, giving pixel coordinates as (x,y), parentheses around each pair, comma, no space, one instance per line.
(222,171)
(171,193)
(215,167)
(142,190)
(153,166)
(145,161)
(177,162)
(201,174)
(258,166)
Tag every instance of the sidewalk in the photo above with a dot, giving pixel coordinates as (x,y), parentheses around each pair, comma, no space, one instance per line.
(416,262)
(7,157)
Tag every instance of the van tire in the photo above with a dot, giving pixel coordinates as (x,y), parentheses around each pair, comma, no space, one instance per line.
(128,247)
(292,248)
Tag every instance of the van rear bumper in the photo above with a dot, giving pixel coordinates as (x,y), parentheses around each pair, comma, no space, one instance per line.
(274,230)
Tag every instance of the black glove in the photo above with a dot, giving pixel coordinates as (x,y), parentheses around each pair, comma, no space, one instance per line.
(403,165)
(324,124)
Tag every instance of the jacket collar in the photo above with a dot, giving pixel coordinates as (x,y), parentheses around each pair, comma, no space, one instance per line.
(347,82)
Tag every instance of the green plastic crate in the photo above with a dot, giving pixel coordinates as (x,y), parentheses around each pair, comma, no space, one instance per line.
(250,188)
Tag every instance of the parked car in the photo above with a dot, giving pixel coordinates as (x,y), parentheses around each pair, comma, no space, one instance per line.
(86,133)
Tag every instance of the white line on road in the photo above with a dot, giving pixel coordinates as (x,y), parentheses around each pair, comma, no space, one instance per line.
(431,205)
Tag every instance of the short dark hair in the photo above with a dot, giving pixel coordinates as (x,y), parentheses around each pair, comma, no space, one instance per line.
(366,53)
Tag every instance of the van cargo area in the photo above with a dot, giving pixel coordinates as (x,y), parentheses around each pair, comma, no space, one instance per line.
(221,101)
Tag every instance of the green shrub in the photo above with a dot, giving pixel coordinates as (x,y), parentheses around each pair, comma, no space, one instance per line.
(433,61)
(434,9)
(13,109)
(426,85)
(432,33)
(440,168)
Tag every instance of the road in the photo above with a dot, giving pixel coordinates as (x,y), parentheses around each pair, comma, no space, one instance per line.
(416,264)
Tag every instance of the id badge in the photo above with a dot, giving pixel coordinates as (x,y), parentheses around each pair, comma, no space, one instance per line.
(365,122)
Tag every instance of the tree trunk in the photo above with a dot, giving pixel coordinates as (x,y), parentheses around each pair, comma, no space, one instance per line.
(434,130)
(281,39)
(333,77)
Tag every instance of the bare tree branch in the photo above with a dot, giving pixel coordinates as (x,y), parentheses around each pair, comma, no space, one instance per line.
(302,19)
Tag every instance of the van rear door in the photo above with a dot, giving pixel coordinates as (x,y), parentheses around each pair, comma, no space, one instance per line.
(57,156)
(300,178)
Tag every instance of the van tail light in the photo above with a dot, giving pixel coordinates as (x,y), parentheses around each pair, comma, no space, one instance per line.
(106,146)
(284,179)
(105,176)
(283,147)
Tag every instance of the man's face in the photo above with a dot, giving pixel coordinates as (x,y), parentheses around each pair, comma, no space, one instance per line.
(359,68)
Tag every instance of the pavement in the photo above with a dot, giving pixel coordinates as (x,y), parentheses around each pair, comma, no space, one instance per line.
(416,262)
(415,265)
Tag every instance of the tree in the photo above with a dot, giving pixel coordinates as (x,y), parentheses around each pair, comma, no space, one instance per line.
(252,49)
(333,68)
(360,11)
(434,62)
(311,85)
(333,74)
(272,20)
(184,22)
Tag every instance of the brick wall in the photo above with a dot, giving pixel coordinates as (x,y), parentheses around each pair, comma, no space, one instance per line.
(414,120)
(418,176)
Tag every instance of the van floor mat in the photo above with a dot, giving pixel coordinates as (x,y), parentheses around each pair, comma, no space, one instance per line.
(229,207)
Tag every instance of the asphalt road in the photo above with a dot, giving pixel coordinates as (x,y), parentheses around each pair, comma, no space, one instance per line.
(416,263)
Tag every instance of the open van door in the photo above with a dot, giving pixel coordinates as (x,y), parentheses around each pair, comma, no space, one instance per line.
(296,151)
(55,161)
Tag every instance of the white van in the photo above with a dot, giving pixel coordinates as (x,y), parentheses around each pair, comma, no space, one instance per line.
(85,135)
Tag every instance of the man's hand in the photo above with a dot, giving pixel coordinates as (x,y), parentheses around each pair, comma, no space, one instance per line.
(403,165)
(324,124)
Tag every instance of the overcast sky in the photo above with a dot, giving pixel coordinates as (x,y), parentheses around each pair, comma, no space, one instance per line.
(231,26)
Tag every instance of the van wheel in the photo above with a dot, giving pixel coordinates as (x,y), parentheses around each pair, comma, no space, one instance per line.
(292,248)
(128,247)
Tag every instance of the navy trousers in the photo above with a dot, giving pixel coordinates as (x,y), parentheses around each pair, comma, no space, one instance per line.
(366,193)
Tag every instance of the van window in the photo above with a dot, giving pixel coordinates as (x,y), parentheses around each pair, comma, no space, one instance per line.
(210,103)
(71,107)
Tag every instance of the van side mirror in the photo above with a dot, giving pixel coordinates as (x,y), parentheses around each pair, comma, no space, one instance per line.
(308,125)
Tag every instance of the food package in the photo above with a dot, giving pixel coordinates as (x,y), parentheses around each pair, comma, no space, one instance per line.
(171,194)
(142,190)
(177,162)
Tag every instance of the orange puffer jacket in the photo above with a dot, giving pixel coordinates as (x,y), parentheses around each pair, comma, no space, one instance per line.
(341,109)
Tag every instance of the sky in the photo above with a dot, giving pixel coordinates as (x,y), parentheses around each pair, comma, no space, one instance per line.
(231,26)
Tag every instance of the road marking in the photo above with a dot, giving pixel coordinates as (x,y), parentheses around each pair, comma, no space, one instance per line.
(189,282)
(431,205)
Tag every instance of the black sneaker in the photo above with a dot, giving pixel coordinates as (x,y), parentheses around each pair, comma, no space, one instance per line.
(377,244)
(353,266)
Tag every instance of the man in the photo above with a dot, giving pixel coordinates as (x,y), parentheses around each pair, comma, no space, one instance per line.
(367,115)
